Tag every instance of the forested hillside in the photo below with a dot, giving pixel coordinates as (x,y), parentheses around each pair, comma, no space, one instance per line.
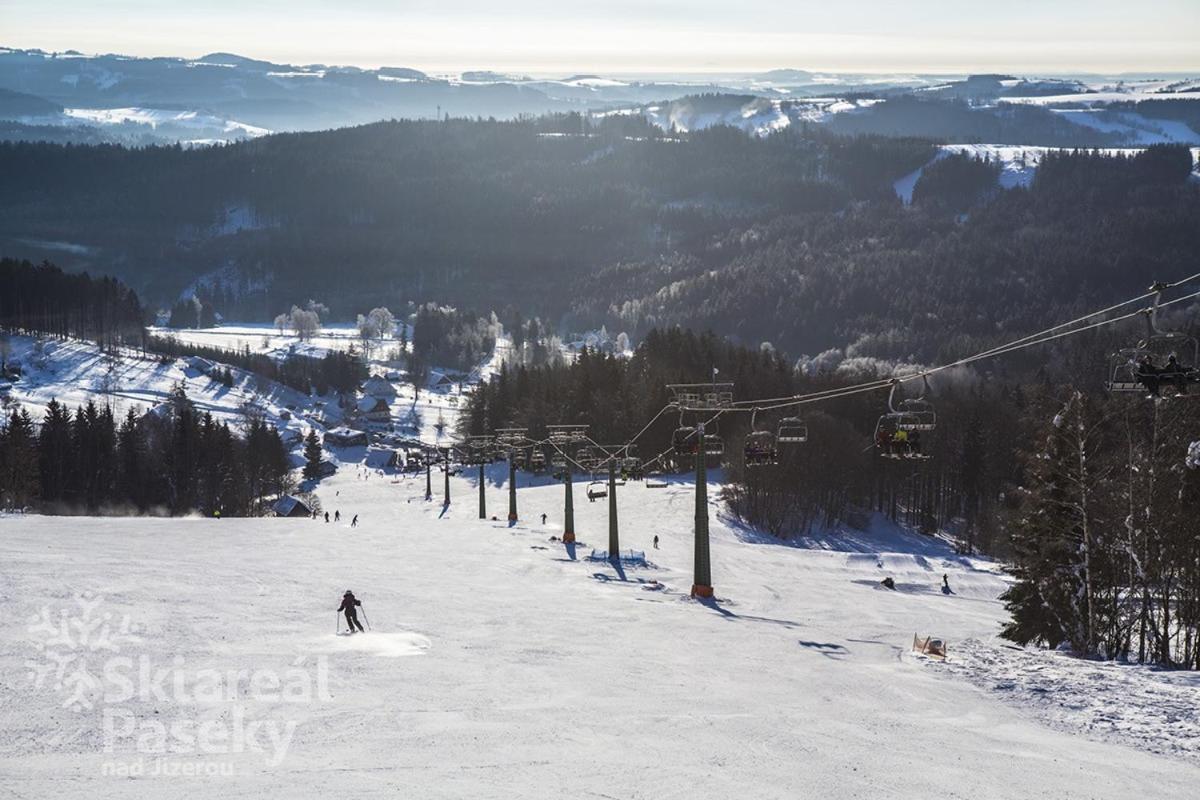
(797,239)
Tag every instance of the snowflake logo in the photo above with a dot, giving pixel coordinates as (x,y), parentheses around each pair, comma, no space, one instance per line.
(70,646)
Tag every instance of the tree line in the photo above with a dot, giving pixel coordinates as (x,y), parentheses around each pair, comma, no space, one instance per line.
(170,460)
(44,299)
(339,371)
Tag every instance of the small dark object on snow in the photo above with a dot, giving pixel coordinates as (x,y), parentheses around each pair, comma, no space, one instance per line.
(888,583)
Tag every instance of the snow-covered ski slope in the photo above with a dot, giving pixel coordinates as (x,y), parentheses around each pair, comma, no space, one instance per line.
(76,372)
(498,665)
(501,664)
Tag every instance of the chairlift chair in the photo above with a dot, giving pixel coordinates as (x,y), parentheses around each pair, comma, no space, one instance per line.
(632,467)
(597,490)
(684,442)
(898,433)
(792,430)
(1163,359)
(896,442)
(586,458)
(714,445)
(1146,368)
(917,415)
(759,449)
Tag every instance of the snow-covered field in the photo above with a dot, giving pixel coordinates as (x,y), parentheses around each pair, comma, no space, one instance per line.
(759,116)
(265,338)
(501,663)
(188,126)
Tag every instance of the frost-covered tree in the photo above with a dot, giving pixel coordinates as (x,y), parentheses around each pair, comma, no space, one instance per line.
(305,322)
(383,321)
(1059,538)
(367,332)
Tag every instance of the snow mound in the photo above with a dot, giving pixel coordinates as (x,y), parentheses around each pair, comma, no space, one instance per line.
(1133,705)
(385,645)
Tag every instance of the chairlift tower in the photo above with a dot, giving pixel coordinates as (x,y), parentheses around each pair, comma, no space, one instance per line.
(567,436)
(480,451)
(512,438)
(701,398)
(702,564)
(614,541)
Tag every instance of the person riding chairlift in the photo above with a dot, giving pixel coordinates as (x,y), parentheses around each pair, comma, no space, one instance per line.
(1148,374)
(1175,372)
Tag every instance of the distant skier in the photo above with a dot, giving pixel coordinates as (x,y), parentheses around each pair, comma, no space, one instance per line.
(946,584)
(337,516)
(326,516)
(543,519)
(349,605)
(354,522)
(656,542)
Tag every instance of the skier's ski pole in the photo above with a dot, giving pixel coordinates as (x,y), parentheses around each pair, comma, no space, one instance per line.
(365,617)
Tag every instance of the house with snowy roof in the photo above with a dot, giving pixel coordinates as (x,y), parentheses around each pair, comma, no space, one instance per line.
(374,409)
(345,437)
(288,506)
(377,386)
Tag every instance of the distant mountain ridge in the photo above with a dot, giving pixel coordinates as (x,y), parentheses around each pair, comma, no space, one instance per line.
(223,96)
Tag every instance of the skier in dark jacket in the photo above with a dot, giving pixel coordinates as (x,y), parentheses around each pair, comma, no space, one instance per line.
(350,606)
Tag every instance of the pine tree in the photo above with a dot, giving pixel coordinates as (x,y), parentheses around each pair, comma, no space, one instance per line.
(131,448)
(312,455)
(18,462)
(54,452)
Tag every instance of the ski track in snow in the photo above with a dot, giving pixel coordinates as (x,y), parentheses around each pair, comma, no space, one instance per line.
(502,663)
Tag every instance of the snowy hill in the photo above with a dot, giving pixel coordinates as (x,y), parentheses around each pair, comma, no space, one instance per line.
(75,373)
(500,662)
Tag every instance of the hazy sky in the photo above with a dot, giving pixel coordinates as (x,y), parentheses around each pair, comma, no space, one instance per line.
(632,36)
